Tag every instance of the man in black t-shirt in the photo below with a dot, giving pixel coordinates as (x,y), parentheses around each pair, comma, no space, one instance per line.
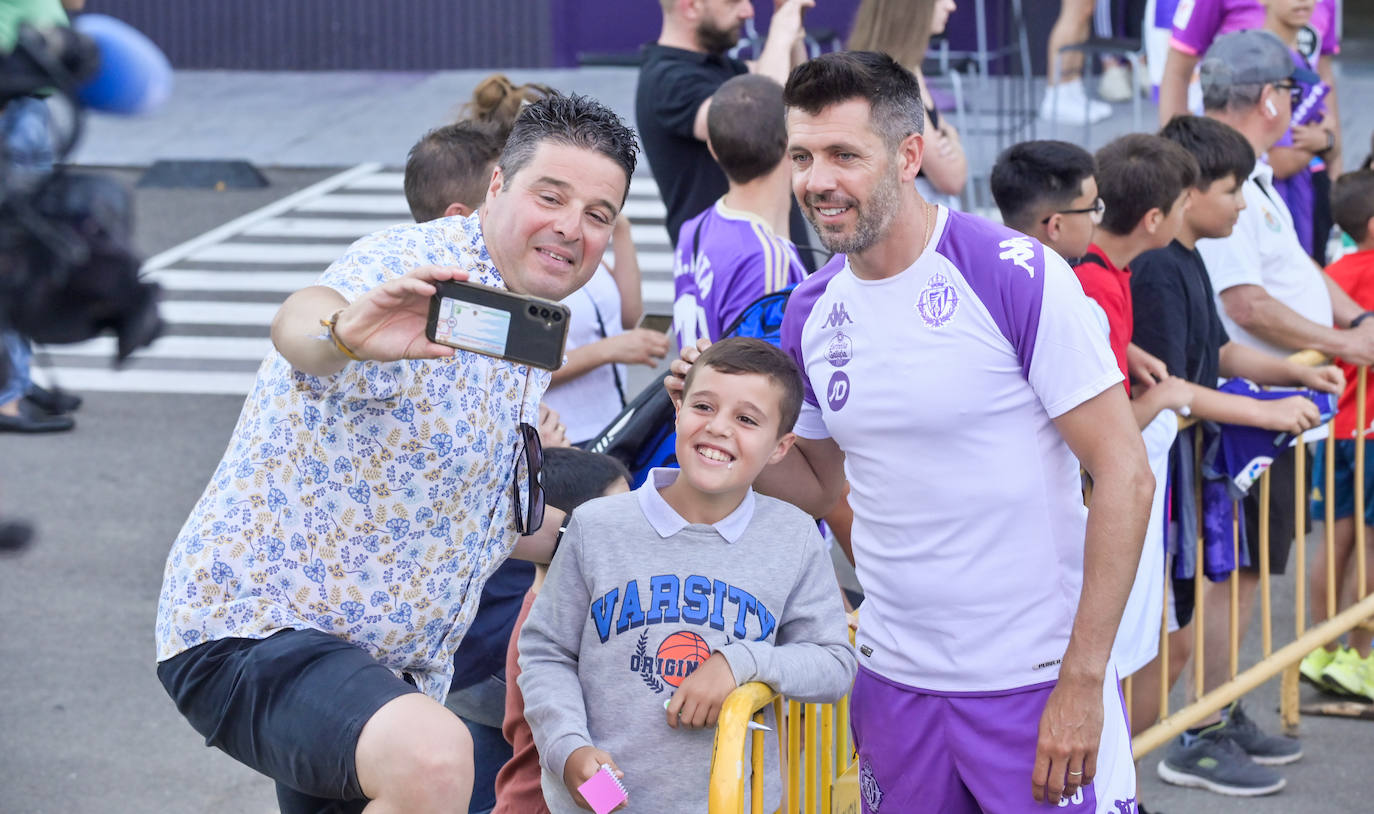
(678,75)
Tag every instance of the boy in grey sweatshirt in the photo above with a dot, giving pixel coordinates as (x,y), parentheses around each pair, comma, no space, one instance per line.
(679,592)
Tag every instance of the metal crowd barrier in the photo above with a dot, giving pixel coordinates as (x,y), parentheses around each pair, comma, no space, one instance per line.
(1286,659)
(819,764)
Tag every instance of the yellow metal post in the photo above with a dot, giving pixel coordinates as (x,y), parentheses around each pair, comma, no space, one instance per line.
(1330,522)
(1199,614)
(1361,390)
(1164,652)
(794,738)
(1266,620)
(1233,634)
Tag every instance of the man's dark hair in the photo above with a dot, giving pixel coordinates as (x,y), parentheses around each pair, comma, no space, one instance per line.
(748,355)
(1029,175)
(575,121)
(1352,203)
(891,91)
(1139,172)
(450,164)
(573,476)
(747,127)
(1219,149)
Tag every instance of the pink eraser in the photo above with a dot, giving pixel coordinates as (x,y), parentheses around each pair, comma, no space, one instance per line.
(603,791)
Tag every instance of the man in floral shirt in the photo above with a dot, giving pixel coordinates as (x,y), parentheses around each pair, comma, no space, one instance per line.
(312,602)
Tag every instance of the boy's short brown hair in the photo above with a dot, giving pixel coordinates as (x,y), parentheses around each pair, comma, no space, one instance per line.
(745,355)
(1352,203)
(1140,172)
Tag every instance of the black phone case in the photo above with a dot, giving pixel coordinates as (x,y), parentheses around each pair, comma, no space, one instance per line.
(538,327)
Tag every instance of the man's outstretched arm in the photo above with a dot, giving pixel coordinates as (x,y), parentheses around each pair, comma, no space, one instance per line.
(384,324)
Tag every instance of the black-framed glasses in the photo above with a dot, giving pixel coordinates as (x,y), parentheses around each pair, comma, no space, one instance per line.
(1096,211)
(529,490)
(1294,89)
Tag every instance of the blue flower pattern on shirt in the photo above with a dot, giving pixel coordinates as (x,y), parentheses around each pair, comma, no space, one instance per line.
(372,504)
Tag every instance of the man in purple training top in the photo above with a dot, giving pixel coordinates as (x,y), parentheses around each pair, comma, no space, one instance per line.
(738,249)
(956,374)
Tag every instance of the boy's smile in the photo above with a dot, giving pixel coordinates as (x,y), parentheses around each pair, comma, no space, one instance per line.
(727,432)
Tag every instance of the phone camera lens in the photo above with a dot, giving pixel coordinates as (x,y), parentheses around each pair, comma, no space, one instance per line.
(557,316)
(544,312)
(534,310)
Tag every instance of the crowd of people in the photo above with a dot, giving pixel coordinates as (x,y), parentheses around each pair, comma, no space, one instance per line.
(409,587)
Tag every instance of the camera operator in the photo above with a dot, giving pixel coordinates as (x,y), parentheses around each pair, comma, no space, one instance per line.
(313,601)
(26,127)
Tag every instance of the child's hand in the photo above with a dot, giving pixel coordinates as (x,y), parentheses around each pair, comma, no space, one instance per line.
(1294,414)
(1327,378)
(697,702)
(581,765)
(1172,394)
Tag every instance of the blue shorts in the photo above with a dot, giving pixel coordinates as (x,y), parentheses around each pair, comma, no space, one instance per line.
(1344,481)
(290,706)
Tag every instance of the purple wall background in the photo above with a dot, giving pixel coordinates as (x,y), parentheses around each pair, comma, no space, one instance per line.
(420,35)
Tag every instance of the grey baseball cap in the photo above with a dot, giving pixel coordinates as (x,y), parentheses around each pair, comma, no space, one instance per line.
(1249,58)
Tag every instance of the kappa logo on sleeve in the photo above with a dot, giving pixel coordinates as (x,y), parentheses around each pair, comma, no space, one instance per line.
(1019,250)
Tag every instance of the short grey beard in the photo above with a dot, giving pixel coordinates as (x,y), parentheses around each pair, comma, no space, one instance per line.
(875,220)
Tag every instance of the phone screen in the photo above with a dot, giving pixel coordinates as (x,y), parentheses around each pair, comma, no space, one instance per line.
(662,323)
(477,327)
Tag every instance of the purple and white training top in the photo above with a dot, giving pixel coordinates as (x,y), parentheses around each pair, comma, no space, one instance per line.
(940,384)
(726,259)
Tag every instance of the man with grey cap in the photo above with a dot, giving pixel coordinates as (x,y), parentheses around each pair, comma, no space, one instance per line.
(1272,297)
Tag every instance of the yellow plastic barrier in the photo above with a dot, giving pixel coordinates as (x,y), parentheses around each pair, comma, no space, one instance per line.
(819,768)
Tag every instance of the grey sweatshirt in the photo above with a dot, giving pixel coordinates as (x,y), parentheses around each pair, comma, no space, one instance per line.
(637,598)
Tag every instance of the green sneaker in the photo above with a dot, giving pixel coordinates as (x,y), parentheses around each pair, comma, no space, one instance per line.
(1368,689)
(1313,667)
(1346,672)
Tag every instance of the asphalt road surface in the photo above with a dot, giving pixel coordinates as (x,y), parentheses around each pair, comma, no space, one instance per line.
(84,724)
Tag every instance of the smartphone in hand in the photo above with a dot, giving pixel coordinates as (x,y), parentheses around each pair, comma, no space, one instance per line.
(496,322)
(662,323)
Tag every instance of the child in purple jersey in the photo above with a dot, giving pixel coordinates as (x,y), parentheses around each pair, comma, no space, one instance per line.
(1198,23)
(738,249)
(1299,159)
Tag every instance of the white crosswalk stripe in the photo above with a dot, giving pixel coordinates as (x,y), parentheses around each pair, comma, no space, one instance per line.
(222,288)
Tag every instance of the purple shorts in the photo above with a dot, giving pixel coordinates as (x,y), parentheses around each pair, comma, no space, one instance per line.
(955,753)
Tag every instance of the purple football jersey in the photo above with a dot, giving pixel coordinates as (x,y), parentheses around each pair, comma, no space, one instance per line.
(725,260)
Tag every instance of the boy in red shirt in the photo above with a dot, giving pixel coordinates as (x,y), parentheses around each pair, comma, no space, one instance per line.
(1351,669)
(1143,182)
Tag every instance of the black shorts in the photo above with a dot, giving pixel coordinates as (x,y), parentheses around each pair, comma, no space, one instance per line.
(1283,512)
(290,706)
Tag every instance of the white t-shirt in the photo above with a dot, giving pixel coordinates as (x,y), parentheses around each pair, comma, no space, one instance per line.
(588,403)
(940,384)
(1264,250)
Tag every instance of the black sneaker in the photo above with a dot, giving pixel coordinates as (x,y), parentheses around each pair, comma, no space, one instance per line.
(1216,763)
(1263,748)
(53,402)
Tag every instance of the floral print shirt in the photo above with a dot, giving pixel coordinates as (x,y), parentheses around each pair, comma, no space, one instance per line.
(372,504)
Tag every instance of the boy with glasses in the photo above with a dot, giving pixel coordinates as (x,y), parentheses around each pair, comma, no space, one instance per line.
(1047,189)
